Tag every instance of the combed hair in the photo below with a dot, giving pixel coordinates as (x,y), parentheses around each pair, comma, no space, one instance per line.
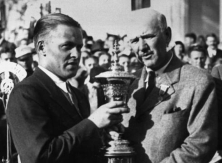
(49,22)
(212,35)
(192,35)
(197,47)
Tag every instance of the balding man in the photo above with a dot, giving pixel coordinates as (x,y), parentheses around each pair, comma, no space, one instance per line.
(49,120)
(173,109)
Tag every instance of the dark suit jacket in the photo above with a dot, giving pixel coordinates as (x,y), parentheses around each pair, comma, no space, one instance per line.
(46,127)
(217,74)
(177,122)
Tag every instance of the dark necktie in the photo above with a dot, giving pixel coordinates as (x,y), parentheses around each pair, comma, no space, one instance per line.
(150,82)
(72,97)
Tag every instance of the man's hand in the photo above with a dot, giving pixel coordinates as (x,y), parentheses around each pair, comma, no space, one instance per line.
(115,132)
(108,114)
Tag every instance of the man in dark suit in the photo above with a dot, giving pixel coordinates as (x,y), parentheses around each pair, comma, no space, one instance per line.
(213,52)
(173,107)
(49,120)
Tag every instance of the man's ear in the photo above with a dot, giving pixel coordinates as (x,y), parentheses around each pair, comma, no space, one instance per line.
(168,35)
(41,48)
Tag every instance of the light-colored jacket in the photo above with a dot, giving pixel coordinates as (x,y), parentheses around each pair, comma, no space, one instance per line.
(177,122)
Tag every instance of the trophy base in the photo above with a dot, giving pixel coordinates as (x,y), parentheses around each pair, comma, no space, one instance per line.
(120,152)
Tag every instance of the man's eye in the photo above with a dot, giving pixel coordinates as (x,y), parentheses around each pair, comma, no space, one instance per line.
(79,47)
(66,46)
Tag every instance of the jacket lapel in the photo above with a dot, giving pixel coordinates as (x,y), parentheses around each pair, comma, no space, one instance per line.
(55,92)
(164,87)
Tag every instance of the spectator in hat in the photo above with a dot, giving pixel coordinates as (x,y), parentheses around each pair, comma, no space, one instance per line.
(24,58)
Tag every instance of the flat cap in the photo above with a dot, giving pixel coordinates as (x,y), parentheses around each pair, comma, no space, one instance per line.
(23,51)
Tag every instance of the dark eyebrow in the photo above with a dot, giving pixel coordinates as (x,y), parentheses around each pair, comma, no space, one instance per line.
(147,36)
(136,39)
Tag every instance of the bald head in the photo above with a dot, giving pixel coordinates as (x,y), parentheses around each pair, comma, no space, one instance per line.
(153,37)
(154,19)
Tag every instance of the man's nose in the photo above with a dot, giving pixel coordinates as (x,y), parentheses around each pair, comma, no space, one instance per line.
(75,53)
(143,45)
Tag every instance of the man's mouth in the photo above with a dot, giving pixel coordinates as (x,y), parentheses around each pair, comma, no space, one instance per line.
(73,61)
(147,55)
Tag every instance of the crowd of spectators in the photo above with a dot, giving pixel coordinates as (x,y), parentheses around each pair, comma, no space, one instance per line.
(96,57)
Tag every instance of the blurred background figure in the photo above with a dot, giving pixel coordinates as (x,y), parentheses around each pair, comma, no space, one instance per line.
(197,56)
(109,42)
(218,62)
(190,39)
(4,44)
(179,50)
(6,55)
(135,63)
(105,60)
(93,90)
(90,62)
(208,64)
(98,47)
(212,50)
(24,58)
(84,54)
(124,61)
(201,41)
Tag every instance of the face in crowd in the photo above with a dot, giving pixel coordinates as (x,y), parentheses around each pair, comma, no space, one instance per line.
(125,62)
(7,57)
(105,60)
(197,59)
(90,62)
(150,46)
(211,42)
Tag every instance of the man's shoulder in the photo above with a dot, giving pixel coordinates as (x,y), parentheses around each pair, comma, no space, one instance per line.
(193,74)
(29,84)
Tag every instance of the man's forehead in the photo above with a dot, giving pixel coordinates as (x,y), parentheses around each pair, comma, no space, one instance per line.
(148,21)
(65,31)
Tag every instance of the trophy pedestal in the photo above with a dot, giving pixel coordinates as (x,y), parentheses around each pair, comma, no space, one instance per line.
(120,152)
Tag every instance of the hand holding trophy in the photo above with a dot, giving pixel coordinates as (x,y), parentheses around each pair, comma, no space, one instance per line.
(115,84)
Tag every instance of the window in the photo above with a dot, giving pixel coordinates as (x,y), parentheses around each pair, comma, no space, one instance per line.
(138,4)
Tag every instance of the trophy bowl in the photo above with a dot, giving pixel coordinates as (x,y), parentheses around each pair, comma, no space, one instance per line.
(115,85)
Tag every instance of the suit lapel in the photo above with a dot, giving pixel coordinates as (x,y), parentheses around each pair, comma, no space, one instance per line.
(164,87)
(55,92)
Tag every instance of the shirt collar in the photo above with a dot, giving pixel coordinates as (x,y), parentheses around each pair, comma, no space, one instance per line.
(211,52)
(161,70)
(61,84)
